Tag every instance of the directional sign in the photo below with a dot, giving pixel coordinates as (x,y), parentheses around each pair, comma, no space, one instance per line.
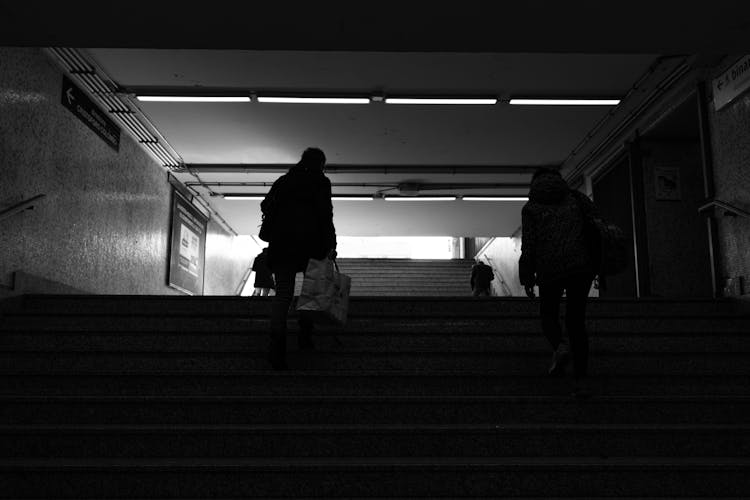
(732,83)
(89,113)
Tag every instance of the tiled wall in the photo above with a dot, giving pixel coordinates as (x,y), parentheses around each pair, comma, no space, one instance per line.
(103,226)
(730,133)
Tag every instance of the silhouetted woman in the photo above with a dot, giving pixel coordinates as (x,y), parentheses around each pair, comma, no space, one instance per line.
(555,256)
(263,278)
(302,228)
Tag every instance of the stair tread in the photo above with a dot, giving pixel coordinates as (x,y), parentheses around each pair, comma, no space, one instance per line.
(385,398)
(367,428)
(537,463)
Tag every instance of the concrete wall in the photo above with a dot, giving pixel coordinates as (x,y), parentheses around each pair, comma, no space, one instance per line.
(611,194)
(730,141)
(228,258)
(678,248)
(503,254)
(104,224)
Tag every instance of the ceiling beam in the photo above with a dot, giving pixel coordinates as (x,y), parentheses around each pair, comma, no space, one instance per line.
(366,169)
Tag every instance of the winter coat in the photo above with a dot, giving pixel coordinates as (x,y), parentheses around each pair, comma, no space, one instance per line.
(481,276)
(263,276)
(553,241)
(303,219)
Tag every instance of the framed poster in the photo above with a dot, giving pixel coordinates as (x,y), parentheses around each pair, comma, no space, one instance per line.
(667,182)
(187,248)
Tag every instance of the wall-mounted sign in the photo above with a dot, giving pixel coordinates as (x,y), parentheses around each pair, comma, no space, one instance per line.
(667,182)
(732,83)
(187,251)
(89,113)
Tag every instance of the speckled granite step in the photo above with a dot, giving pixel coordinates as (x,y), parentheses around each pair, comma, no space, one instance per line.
(386,476)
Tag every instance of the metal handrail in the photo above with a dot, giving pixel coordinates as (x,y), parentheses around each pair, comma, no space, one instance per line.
(729,210)
(20,207)
(499,276)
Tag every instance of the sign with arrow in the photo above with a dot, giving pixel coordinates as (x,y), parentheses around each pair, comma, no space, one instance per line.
(89,113)
(732,83)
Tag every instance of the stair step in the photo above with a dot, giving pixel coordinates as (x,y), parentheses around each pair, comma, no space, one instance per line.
(236,306)
(352,341)
(386,476)
(278,441)
(519,363)
(403,323)
(372,409)
(355,383)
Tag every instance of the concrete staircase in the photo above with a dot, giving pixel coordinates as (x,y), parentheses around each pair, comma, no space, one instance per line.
(406,277)
(170,397)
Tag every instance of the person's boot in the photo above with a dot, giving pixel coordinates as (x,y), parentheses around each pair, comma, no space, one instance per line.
(560,359)
(277,351)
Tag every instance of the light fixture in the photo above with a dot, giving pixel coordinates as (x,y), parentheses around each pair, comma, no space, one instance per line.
(352,198)
(420,198)
(175,98)
(495,198)
(314,100)
(434,100)
(565,102)
(256,197)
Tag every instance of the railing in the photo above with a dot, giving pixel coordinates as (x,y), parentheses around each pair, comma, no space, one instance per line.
(498,275)
(729,210)
(244,279)
(20,207)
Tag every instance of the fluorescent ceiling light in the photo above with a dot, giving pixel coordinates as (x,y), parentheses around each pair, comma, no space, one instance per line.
(352,198)
(495,198)
(420,198)
(244,196)
(566,102)
(430,100)
(173,98)
(316,100)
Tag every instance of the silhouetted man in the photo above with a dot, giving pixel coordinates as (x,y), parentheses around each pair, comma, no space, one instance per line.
(481,277)
(302,214)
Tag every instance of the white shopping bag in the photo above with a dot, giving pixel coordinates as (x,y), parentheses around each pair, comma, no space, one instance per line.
(325,292)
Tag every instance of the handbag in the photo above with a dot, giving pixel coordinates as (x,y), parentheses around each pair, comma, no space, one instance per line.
(325,292)
(606,241)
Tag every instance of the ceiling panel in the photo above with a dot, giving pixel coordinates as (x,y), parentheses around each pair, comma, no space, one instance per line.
(386,218)
(375,134)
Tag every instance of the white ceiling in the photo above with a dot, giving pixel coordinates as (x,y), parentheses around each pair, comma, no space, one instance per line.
(502,138)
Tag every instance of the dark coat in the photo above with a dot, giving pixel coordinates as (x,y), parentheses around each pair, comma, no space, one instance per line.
(303,219)
(481,276)
(553,242)
(263,276)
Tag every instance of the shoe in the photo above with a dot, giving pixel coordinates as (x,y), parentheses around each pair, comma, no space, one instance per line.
(560,359)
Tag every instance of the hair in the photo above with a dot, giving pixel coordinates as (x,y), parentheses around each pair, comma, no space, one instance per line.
(545,171)
(313,159)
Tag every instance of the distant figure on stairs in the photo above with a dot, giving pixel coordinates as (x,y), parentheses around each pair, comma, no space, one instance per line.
(555,256)
(481,277)
(263,278)
(299,204)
